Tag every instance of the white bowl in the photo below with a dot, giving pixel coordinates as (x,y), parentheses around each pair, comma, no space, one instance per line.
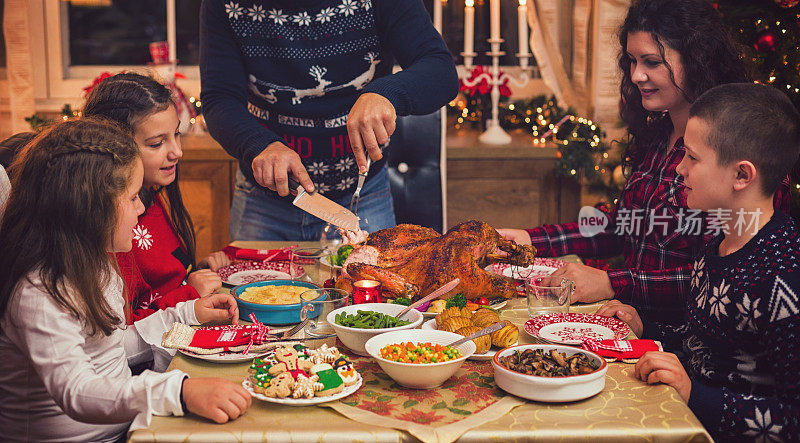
(419,375)
(355,338)
(550,389)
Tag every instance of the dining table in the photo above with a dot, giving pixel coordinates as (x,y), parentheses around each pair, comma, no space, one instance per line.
(627,409)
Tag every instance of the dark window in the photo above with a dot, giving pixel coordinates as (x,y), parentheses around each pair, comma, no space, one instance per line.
(187,18)
(119,33)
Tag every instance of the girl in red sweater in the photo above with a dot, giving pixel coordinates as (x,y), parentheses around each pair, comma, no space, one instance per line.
(160,270)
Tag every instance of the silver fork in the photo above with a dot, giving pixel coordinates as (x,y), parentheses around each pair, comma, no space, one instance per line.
(356,195)
(290,332)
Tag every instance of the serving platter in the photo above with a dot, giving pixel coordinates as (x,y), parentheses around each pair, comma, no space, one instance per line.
(431,324)
(248,385)
(494,306)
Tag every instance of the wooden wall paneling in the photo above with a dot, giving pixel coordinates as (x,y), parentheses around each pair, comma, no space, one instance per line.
(206,189)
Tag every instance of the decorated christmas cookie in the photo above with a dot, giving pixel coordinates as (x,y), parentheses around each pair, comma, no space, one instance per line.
(348,374)
(330,380)
(280,386)
(304,386)
(324,354)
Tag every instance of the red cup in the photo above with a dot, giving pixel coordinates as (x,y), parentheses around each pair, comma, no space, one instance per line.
(160,52)
(366,291)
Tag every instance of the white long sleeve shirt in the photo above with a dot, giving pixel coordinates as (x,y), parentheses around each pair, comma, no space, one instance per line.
(58,383)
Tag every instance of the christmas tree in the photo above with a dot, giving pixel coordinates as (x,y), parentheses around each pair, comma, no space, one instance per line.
(769,31)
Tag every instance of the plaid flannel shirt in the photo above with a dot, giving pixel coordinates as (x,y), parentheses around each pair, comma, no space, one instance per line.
(646,227)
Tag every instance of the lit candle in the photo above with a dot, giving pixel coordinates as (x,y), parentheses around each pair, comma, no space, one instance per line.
(522,12)
(366,291)
(437,15)
(469,31)
(495,19)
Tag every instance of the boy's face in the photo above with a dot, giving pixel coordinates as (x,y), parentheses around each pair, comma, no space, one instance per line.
(709,185)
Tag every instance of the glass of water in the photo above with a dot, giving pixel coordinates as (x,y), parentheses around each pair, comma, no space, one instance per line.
(548,299)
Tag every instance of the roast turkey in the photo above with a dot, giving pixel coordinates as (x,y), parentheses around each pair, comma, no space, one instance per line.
(413,261)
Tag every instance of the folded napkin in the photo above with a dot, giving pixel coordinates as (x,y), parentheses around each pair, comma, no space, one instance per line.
(621,349)
(217,339)
(283,254)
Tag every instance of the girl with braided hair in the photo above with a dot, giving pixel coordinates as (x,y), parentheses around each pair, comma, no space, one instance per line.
(64,373)
(163,254)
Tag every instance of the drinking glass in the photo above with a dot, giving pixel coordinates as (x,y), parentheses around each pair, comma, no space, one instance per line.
(548,299)
(315,304)
(309,259)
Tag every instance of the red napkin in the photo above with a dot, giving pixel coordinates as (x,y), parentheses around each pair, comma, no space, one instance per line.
(283,254)
(229,336)
(620,349)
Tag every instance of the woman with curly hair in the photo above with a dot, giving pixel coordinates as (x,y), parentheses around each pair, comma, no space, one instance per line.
(671,51)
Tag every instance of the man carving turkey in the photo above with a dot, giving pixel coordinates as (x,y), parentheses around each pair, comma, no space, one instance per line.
(304,88)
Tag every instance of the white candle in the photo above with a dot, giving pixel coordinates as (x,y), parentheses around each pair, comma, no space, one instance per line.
(437,15)
(495,19)
(522,12)
(171,40)
(469,31)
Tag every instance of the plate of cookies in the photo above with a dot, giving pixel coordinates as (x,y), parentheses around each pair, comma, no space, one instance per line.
(465,322)
(299,376)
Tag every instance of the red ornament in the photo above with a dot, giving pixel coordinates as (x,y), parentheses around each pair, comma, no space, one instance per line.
(786,4)
(766,41)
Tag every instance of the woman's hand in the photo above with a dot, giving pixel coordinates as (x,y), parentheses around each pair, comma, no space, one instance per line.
(215,398)
(216,307)
(591,284)
(370,123)
(626,313)
(663,367)
(204,281)
(519,236)
(271,169)
(215,261)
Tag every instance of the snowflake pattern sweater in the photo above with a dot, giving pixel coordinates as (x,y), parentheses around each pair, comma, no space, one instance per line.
(155,269)
(291,70)
(741,342)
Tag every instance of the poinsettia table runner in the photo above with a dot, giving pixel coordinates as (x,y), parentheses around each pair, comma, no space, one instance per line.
(468,399)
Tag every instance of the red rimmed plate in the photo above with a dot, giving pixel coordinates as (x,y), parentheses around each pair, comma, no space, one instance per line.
(250,271)
(572,328)
(541,267)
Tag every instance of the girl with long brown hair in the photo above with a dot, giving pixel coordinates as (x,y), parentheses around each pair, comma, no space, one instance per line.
(64,373)
(163,254)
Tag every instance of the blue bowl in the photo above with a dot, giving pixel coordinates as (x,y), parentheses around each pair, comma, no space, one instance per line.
(272,314)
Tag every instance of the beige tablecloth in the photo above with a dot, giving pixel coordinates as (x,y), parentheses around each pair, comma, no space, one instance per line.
(627,409)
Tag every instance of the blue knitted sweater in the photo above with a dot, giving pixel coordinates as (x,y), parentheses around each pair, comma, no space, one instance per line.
(281,70)
(741,342)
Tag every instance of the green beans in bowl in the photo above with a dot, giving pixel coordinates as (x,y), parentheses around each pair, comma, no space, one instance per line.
(355,324)
(369,320)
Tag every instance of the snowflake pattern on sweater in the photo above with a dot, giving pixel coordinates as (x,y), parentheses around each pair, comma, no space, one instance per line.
(741,342)
(303,36)
(290,71)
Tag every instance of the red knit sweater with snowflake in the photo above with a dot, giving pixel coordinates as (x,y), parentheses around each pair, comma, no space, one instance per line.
(155,269)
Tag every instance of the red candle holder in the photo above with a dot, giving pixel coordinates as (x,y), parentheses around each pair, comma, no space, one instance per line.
(366,291)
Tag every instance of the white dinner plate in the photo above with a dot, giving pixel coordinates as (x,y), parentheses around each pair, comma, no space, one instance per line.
(225,357)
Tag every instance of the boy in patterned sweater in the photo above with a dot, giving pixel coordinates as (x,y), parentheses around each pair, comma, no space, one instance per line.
(738,354)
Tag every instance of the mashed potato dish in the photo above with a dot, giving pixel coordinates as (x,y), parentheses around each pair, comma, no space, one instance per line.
(273,294)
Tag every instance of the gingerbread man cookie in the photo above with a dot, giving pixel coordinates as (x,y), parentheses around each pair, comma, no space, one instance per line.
(280,386)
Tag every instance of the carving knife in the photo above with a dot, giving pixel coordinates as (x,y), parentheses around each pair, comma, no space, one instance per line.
(324,208)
